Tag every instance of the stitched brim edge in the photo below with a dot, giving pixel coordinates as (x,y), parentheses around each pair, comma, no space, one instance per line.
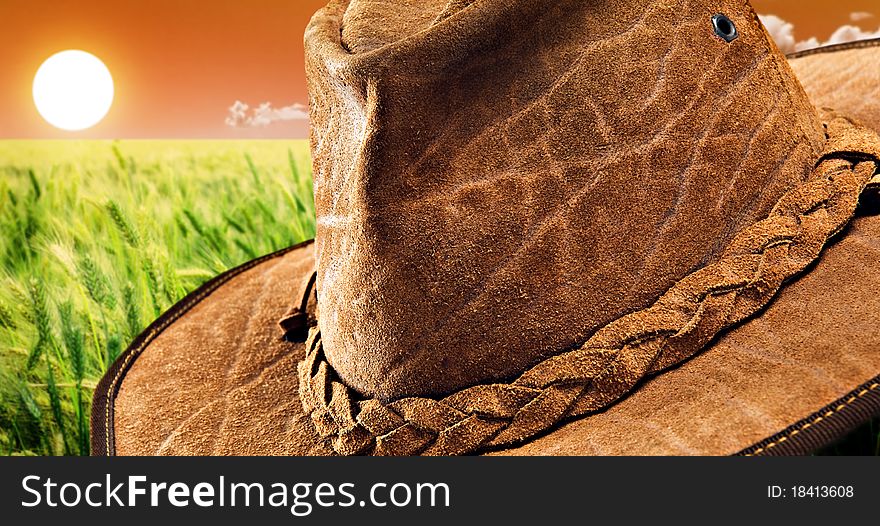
(857,44)
(102,417)
(825,426)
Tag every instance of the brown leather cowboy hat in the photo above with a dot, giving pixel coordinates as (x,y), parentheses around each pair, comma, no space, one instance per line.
(567,227)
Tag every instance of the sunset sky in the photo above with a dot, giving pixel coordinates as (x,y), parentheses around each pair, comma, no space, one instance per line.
(178,65)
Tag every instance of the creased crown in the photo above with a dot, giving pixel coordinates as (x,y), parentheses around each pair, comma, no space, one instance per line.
(494,180)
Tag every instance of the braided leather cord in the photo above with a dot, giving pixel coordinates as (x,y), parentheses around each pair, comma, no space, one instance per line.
(612,361)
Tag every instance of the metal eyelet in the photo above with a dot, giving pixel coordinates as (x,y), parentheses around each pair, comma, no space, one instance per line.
(724,27)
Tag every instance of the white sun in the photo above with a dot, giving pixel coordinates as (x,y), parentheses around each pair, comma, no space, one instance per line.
(73,90)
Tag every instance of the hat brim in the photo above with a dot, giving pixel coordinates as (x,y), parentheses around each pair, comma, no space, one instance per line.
(214,377)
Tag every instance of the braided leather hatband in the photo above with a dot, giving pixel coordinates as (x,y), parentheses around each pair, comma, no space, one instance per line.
(610,363)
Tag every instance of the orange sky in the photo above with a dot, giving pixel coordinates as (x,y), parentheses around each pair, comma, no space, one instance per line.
(179,64)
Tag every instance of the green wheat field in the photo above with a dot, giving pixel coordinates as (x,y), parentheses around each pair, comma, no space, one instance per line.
(97,238)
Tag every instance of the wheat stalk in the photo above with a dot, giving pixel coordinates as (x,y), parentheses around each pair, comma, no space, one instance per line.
(123,223)
(43,322)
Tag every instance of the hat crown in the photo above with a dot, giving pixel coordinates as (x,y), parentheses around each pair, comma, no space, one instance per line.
(495,180)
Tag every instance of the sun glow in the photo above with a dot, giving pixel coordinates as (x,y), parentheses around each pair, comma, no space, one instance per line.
(73,90)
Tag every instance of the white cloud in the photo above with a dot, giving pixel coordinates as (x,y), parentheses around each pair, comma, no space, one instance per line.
(237,114)
(851,33)
(783,33)
(243,116)
(860,15)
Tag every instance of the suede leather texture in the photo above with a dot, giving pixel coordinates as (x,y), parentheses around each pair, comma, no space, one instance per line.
(233,390)
(221,381)
(813,345)
(495,180)
(847,79)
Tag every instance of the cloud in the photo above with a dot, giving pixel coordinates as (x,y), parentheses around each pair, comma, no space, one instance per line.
(240,115)
(851,33)
(783,33)
(860,15)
